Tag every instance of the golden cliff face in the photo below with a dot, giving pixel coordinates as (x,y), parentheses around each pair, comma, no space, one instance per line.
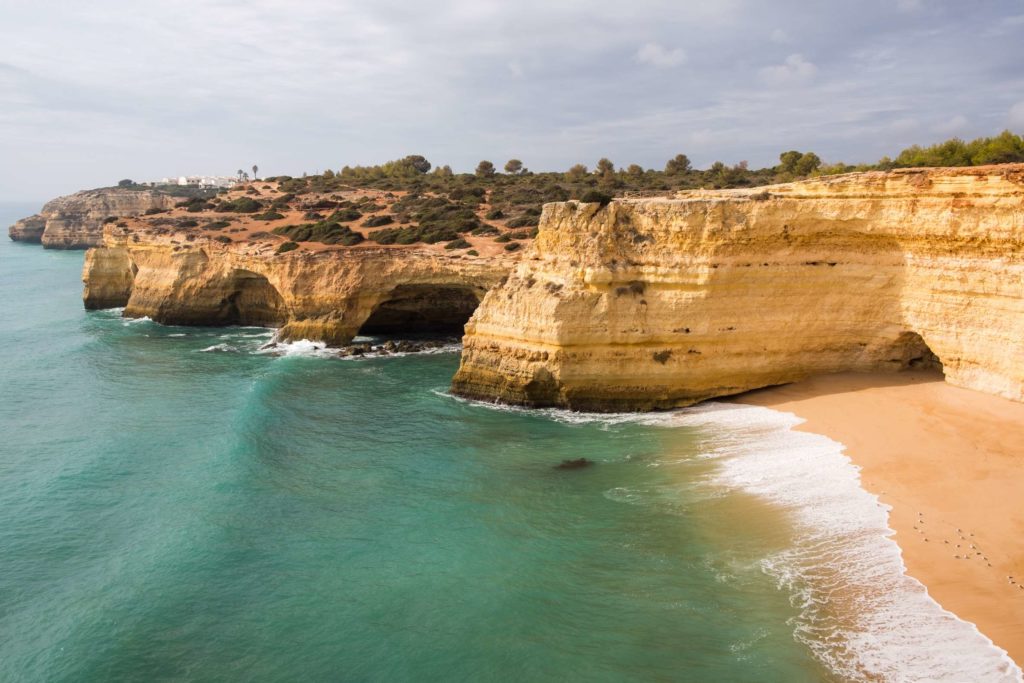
(76,221)
(324,296)
(650,304)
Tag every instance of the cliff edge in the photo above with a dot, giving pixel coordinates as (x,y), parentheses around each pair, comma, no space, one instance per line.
(659,303)
(76,221)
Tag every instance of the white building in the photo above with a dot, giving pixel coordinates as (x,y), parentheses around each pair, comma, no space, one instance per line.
(198,181)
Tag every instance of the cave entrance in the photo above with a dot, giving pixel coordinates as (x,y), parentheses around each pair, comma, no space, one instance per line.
(252,301)
(418,309)
(913,353)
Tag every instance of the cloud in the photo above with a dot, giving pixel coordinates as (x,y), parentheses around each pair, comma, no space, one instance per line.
(660,56)
(208,86)
(794,71)
(954,125)
(1017,117)
(909,5)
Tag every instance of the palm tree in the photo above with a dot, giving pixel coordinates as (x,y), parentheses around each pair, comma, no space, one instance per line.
(240,172)
(255,170)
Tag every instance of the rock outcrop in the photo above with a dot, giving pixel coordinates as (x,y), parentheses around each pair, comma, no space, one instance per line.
(649,304)
(28,229)
(325,296)
(76,221)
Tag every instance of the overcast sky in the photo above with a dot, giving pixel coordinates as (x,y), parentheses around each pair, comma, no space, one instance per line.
(92,91)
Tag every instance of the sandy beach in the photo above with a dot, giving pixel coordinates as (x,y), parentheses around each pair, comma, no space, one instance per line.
(950,462)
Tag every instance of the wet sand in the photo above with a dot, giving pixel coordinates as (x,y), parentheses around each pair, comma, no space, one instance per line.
(950,462)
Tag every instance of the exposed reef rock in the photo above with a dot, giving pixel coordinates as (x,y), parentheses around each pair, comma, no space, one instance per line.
(326,296)
(658,303)
(76,221)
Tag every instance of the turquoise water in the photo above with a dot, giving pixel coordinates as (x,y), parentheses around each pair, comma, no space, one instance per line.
(169,513)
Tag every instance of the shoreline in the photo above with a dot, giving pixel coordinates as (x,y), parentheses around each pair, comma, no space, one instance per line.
(943,459)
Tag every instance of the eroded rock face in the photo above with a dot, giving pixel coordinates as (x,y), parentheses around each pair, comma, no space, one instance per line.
(322,296)
(651,304)
(28,229)
(76,221)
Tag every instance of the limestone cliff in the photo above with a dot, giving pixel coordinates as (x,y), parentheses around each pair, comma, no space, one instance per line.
(28,229)
(659,303)
(76,221)
(329,296)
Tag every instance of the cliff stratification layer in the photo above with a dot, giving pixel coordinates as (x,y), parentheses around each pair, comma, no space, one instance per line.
(328,296)
(76,221)
(647,304)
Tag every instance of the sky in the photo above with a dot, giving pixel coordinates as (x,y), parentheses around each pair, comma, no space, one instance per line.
(93,91)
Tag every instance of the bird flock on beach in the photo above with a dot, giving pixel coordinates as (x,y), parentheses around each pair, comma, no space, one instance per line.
(971,551)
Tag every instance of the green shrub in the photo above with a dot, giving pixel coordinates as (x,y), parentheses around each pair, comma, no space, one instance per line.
(345,215)
(223,238)
(286,247)
(377,221)
(282,201)
(495,214)
(153,211)
(503,238)
(294,186)
(513,246)
(109,219)
(593,197)
(459,243)
(217,225)
(414,234)
(472,252)
(187,223)
(485,230)
(240,205)
(524,221)
(269,216)
(325,232)
(194,205)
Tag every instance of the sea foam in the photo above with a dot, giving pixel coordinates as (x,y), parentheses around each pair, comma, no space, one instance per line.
(858,610)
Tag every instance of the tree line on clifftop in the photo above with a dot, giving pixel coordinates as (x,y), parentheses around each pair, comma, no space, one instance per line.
(423,203)
(517,184)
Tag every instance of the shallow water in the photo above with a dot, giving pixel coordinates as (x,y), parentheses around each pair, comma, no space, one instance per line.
(177,504)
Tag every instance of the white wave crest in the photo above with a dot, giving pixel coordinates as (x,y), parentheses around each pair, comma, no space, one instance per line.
(859,611)
(314,349)
(218,347)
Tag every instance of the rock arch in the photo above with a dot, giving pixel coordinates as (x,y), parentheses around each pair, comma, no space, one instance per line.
(250,299)
(423,308)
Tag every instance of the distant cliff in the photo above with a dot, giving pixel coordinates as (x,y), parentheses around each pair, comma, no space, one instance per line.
(330,296)
(76,221)
(659,303)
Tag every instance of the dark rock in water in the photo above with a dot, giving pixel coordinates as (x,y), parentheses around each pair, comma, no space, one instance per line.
(391,346)
(577,464)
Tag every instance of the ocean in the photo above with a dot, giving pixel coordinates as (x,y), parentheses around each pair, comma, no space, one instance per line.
(188,504)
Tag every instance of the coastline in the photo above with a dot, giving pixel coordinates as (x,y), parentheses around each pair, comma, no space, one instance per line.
(943,458)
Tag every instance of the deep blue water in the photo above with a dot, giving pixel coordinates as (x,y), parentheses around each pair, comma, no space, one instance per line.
(169,513)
